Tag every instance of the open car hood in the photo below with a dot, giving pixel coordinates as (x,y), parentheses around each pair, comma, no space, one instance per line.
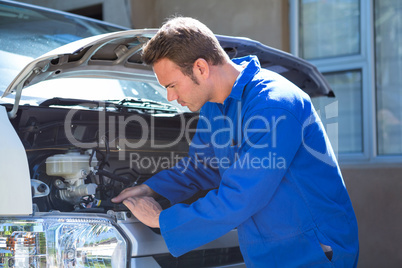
(118,55)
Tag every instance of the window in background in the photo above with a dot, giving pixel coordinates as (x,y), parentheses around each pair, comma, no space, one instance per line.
(330,37)
(345,111)
(329,28)
(388,66)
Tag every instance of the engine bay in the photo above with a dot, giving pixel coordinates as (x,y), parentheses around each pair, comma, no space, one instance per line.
(80,159)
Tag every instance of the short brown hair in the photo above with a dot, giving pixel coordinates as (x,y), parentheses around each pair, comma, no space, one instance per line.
(183,40)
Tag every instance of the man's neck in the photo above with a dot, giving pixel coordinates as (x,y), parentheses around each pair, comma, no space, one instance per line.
(224,77)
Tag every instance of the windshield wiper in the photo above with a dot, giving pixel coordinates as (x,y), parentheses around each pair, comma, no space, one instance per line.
(71,102)
(145,104)
(125,104)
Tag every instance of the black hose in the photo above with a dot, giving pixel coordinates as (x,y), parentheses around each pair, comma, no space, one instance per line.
(113,176)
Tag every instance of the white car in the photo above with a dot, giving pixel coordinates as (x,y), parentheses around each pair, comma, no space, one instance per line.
(84,121)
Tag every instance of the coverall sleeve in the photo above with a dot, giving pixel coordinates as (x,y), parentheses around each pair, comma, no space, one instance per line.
(246,187)
(191,174)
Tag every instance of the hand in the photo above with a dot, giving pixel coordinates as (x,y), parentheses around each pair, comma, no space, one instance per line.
(145,209)
(139,201)
(136,191)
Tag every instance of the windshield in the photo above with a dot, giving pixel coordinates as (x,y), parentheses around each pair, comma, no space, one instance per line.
(33,32)
(29,33)
(94,90)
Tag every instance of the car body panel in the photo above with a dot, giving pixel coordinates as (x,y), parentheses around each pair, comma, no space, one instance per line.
(15,190)
(117,55)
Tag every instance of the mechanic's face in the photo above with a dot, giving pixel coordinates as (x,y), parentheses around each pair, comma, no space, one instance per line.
(181,87)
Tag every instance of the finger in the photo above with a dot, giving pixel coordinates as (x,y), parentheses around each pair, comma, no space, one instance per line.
(136,191)
(126,193)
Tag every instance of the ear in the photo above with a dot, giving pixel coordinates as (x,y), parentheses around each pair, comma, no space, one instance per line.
(201,68)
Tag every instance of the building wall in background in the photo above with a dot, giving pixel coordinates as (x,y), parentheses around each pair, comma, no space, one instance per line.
(375,192)
(115,11)
(263,20)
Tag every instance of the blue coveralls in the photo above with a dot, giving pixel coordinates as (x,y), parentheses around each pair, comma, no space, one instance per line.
(277,179)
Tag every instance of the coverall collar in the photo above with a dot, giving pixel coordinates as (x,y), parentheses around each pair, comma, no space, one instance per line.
(251,66)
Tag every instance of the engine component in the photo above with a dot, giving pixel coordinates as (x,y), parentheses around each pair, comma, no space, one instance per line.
(39,188)
(74,168)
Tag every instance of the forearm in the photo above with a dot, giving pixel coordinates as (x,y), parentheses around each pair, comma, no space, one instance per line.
(184,180)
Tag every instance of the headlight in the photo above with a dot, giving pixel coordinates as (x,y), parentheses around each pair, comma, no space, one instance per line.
(61,242)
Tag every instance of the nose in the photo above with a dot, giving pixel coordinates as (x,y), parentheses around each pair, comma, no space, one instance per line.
(171,95)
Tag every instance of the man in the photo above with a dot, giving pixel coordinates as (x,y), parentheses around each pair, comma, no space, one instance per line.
(262,149)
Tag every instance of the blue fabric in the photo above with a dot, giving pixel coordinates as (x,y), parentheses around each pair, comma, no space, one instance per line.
(276,178)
